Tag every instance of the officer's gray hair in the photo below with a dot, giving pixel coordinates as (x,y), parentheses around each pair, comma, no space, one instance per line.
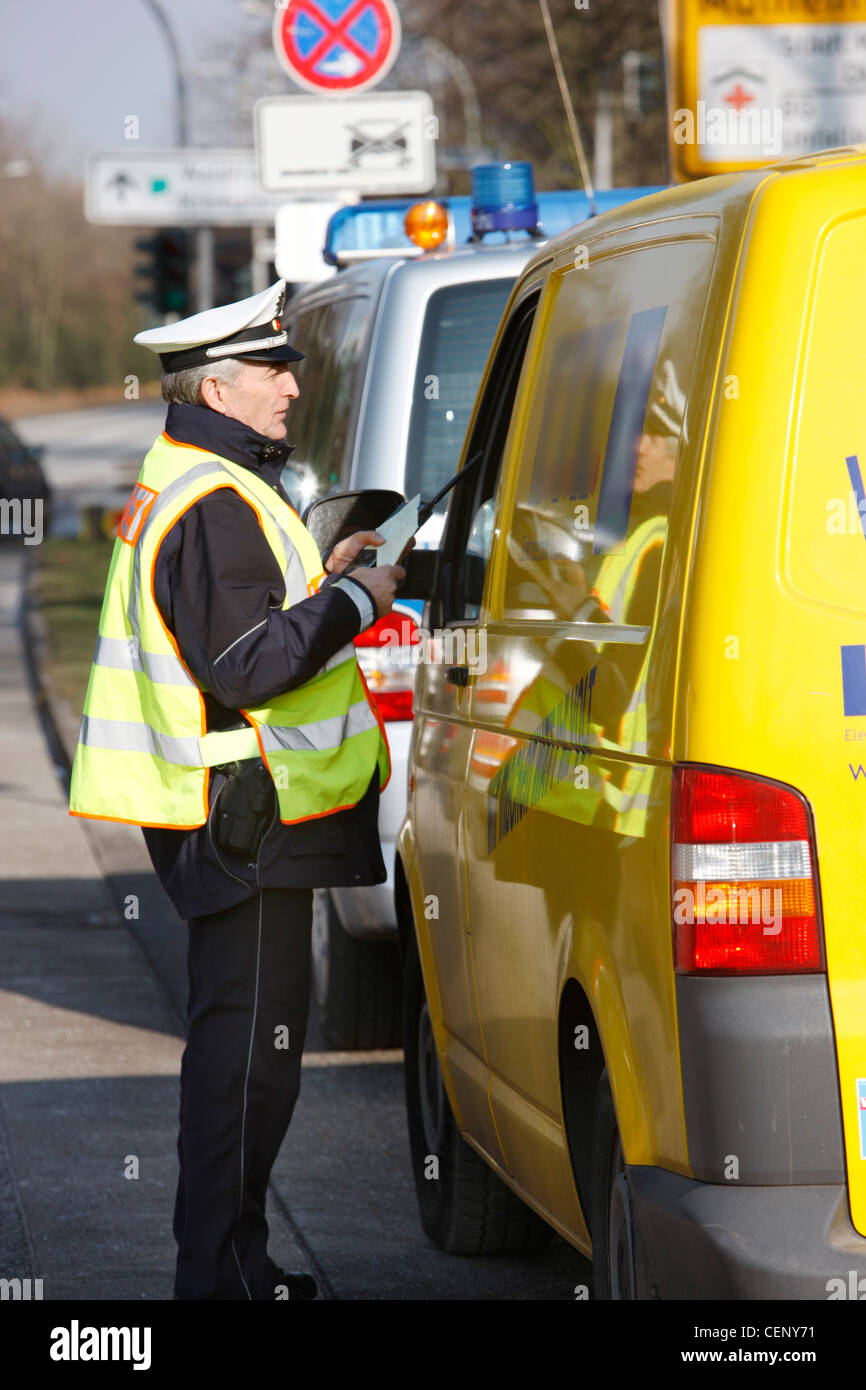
(185,386)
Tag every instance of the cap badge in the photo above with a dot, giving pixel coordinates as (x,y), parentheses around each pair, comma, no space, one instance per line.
(276,325)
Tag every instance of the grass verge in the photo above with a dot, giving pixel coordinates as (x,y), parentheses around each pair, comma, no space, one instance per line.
(66,593)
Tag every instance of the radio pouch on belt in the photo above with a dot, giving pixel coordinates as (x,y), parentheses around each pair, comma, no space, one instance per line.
(245,806)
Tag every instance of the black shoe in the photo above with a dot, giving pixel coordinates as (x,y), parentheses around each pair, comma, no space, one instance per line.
(297,1284)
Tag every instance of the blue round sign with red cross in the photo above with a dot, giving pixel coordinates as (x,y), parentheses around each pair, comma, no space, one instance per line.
(334,47)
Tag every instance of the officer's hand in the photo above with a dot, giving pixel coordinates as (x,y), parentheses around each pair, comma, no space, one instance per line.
(346,551)
(381,584)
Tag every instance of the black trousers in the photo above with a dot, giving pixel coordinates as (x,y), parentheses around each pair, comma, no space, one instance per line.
(249,992)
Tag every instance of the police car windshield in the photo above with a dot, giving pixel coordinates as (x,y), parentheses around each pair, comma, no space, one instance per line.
(459,327)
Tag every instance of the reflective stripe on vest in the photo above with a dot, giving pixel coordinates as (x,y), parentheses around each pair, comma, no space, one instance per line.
(144,750)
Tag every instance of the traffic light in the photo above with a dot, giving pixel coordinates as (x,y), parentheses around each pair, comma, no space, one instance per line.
(174,286)
(166,270)
(148,270)
(643,84)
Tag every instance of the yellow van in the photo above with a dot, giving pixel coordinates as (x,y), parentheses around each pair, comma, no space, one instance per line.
(630,882)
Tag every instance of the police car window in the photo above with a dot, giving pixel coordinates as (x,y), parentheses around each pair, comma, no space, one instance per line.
(598,466)
(333,336)
(459,327)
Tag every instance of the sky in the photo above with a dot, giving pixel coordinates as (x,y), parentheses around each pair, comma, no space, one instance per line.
(74,70)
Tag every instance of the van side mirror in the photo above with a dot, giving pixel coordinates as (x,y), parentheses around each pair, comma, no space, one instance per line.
(421,568)
(332,519)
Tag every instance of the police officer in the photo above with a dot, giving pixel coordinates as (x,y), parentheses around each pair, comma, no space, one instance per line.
(227,715)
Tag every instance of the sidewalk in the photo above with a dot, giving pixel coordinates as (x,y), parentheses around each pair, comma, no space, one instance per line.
(91,1024)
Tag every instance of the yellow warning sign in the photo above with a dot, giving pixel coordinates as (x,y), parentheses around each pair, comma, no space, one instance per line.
(751,82)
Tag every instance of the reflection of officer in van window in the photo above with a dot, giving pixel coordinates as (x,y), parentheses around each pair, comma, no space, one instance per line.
(627,584)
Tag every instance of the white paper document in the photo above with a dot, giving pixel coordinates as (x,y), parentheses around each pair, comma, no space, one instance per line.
(398,530)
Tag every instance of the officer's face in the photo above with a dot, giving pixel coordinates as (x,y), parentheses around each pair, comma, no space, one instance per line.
(259,397)
(656,461)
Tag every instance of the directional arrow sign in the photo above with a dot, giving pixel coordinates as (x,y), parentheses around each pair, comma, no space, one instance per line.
(120,183)
(177,188)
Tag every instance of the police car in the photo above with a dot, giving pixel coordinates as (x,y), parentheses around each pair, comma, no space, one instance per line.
(396,343)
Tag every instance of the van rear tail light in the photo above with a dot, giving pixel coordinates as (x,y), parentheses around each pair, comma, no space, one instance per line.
(743,873)
(388,655)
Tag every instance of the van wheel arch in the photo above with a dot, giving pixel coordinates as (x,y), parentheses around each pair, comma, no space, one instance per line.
(580,1071)
(464,1205)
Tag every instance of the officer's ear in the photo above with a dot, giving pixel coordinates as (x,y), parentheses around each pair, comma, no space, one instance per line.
(214,393)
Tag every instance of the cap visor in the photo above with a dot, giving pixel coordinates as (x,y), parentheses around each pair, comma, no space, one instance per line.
(286,353)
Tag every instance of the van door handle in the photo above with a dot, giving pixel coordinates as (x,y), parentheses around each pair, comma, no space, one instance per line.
(457,675)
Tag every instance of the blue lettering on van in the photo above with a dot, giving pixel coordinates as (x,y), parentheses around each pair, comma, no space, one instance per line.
(861,1113)
(626,423)
(854,679)
(857,487)
(525,778)
(861,772)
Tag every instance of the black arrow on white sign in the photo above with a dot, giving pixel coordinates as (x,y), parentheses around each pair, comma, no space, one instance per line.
(122,182)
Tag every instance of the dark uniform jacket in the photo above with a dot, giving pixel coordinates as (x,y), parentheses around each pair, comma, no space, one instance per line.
(220,589)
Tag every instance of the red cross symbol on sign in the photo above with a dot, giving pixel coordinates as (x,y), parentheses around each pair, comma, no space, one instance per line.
(739,97)
(336,46)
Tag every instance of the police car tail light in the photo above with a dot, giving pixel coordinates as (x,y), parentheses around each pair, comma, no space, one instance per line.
(387,653)
(743,872)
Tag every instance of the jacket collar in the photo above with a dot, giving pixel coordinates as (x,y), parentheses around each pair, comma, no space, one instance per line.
(231,439)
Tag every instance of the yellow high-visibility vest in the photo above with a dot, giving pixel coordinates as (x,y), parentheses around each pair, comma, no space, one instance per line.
(550,775)
(617,580)
(144,753)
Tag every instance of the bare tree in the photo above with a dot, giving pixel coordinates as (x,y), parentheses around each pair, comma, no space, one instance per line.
(486,60)
(68,312)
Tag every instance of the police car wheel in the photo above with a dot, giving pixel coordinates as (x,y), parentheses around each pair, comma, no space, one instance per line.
(356,984)
(465,1207)
(621,1267)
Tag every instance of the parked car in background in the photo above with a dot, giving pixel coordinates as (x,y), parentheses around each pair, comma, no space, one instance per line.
(21,474)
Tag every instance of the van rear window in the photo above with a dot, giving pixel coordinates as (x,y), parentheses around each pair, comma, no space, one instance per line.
(824,549)
(459,327)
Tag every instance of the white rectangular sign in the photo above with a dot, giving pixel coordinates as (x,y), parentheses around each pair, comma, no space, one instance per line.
(382,142)
(774,91)
(177,188)
(299,235)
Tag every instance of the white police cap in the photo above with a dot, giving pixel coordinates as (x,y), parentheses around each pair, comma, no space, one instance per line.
(249,328)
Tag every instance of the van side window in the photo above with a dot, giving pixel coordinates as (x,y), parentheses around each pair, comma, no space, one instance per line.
(333,335)
(471,517)
(599,461)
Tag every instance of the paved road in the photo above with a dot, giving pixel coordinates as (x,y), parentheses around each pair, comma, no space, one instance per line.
(92,456)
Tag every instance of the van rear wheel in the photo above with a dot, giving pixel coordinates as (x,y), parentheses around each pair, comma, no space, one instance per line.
(465,1207)
(621,1266)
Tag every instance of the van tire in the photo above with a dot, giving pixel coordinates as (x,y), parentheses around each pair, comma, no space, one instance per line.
(356,984)
(468,1209)
(624,1273)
